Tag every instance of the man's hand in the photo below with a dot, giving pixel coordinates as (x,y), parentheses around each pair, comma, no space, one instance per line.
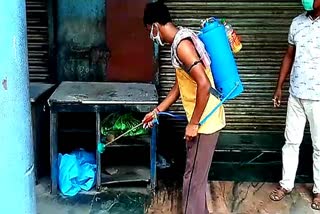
(148,119)
(277,98)
(191,131)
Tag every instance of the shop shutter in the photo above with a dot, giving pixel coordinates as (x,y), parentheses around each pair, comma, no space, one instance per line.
(37,31)
(263,27)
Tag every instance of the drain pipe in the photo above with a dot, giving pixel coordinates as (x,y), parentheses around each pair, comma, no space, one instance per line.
(17,182)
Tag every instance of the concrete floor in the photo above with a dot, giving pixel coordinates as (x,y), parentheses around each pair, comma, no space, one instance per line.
(226,198)
(115,201)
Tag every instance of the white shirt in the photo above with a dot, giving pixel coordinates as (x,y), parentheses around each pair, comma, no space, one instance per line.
(305,75)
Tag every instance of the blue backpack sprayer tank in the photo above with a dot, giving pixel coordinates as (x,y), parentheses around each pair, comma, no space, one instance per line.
(223,66)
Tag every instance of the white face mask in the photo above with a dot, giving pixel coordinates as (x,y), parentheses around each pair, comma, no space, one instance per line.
(156,38)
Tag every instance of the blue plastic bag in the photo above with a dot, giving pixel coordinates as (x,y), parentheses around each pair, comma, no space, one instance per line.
(77,171)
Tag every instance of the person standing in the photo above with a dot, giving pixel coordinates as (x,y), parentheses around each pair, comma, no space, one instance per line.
(302,60)
(192,84)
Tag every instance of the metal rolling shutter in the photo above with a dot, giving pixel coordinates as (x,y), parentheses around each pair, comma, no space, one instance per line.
(263,26)
(37,30)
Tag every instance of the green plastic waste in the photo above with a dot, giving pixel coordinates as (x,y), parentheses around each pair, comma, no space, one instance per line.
(116,124)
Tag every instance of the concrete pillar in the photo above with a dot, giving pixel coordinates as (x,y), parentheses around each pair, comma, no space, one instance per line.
(17,185)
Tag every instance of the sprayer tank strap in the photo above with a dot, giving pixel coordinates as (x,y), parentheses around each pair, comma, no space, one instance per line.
(215,93)
(194,64)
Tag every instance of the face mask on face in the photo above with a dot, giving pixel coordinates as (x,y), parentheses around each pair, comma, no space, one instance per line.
(156,38)
(308,4)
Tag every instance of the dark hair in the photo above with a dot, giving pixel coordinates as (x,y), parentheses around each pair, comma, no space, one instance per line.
(156,12)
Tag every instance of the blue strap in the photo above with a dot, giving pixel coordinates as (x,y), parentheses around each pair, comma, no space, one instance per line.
(220,103)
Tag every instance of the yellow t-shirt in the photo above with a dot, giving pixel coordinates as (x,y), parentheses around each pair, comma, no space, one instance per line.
(188,93)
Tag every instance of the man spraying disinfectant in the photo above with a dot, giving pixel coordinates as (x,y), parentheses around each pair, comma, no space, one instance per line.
(194,85)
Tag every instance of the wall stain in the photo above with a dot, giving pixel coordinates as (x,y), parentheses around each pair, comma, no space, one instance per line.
(83,53)
(5,84)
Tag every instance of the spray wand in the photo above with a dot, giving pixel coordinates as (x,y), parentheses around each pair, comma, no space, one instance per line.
(101,146)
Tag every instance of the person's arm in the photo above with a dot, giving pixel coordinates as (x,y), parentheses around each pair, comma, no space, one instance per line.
(285,69)
(172,97)
(286,65)
(188,56)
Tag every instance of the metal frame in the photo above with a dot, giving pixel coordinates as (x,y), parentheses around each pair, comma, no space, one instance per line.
(38,94)
(98,156)
(55,109)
